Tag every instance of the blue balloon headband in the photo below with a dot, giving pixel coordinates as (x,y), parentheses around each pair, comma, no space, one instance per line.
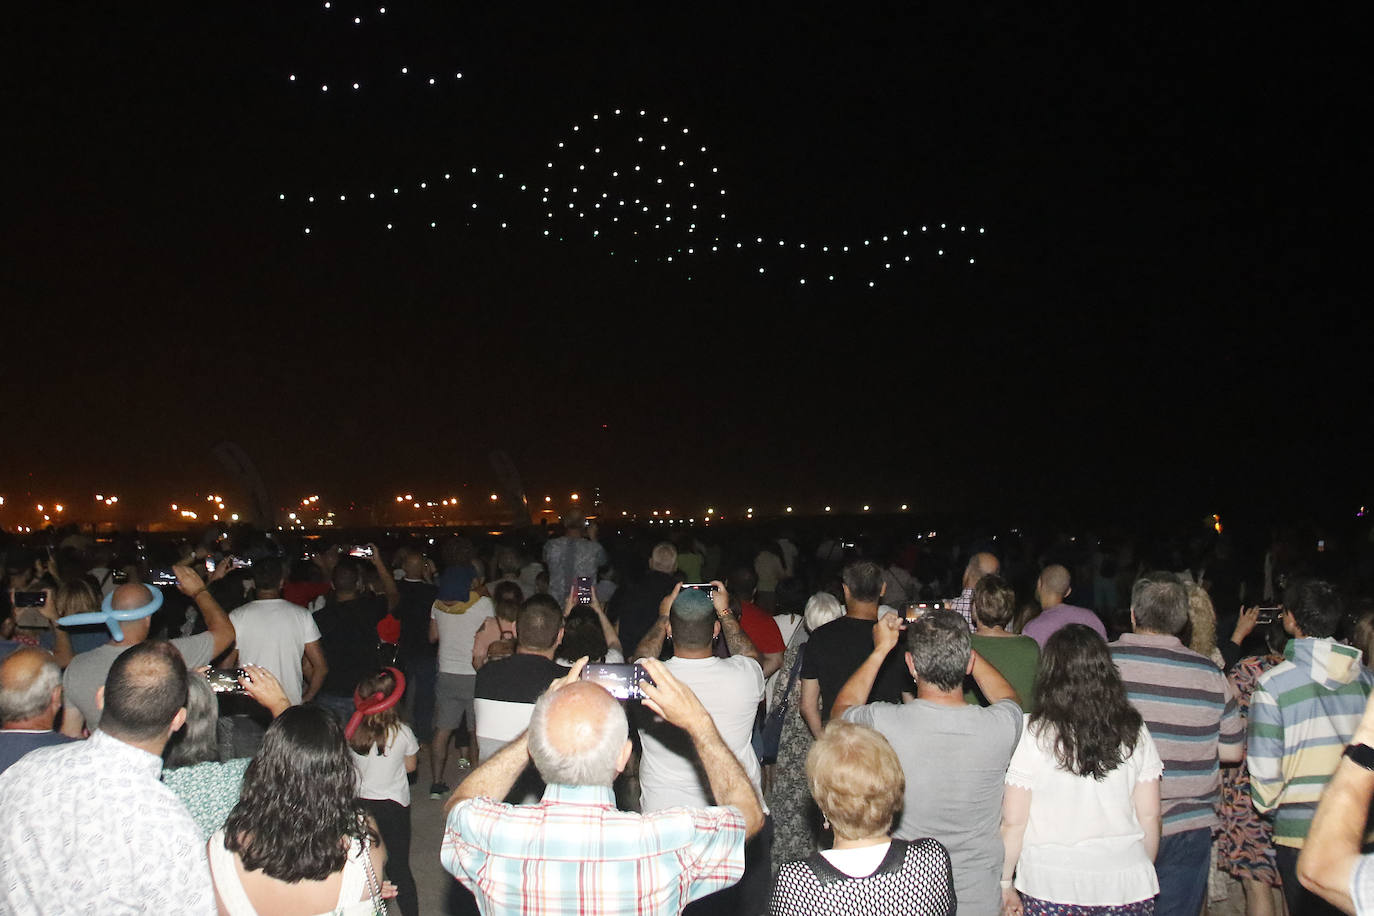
(110,617)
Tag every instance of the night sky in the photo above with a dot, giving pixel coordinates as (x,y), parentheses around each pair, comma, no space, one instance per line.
(1158,313)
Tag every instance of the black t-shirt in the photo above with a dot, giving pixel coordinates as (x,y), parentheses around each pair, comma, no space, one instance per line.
(635,607)
(517,678)
(836,650)
(417,599)
(348,636)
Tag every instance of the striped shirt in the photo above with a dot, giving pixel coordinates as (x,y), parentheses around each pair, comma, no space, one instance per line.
(1302,714)
(1190,709)
(574,853)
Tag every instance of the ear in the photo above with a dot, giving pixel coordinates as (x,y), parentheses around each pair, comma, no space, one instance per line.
(1132,619)
(912,668)
(624,757)
(882,589)
(100,698)
(667,630)
(969,669)
(715,630)
(178,721)
(845,588)
(55,701)
(1069,592)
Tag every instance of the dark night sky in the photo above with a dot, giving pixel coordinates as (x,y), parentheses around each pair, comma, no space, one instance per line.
(1159,312)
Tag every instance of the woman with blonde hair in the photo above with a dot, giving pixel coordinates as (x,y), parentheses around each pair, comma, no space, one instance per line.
(1202,622)
(857,780)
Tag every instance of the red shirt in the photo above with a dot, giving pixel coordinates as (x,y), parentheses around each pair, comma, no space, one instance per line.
(761,629)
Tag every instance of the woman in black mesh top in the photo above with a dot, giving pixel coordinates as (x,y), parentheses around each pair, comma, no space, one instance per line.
(857,782)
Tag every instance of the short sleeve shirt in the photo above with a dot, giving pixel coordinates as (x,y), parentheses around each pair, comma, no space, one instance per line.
(575,853)
(87,672)
(835,651)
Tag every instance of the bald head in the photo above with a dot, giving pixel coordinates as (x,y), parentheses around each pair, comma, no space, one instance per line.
(132,596)
(1053,586)
(578,736)
(980,565)
(30,689)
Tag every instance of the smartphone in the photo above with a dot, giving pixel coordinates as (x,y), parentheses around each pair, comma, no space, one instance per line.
(163,576)
(622,680)
(915,610)
(226,680)
(30,599)
(32,618)
(707,587)
(1268,615)
(359,550)
(584,589)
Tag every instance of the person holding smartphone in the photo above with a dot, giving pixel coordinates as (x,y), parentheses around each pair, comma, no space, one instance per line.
(730,689)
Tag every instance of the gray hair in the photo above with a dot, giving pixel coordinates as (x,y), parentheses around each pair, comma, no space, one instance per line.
(940,648)
(196,741)
(16,705)
(1160,603)
(821,608)
(594,764)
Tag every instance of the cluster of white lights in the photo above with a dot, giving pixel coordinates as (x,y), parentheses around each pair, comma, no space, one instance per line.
(641,184)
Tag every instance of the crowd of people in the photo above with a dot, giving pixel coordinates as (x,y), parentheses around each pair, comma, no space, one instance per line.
(712,723)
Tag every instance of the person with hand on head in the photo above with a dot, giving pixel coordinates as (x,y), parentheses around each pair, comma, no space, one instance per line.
(348,630)
(587,631)
(88,826)
(30,697)
(730,689)
(575,853)
(87,671)
(943,741)
(195,767)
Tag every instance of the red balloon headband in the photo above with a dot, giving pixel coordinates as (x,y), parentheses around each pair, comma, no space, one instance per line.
(378,702)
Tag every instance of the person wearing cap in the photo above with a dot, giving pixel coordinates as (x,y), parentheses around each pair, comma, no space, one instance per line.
(454,619)
(87,672)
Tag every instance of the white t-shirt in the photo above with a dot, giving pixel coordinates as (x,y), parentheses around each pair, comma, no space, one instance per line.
(456,633)
(272,633)
(383,776)
(1083,843)
(669,773)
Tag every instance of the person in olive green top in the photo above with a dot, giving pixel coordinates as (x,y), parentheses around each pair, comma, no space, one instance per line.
(1014,657)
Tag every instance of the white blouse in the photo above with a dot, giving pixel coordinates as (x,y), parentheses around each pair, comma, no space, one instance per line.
(1083,843)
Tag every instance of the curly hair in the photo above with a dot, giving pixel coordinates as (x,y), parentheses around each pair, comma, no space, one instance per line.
(299,800)
(378,728)
(1081,704)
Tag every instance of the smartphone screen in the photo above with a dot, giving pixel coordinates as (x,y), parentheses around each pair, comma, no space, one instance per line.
(621,680)
(30,599)
(163,576)
(360,550)
(915,610)
(225,680)
(584,589)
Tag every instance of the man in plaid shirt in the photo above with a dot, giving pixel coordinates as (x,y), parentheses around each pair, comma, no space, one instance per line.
(574,852)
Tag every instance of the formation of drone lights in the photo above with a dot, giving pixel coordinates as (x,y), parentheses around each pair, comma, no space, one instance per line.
(629,191)
(637,183)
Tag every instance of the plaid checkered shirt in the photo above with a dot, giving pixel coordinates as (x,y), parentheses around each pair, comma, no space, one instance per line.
(964,605)
(574,853)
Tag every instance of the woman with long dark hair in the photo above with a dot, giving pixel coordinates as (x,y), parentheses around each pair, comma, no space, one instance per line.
(1080,813)
(298,842)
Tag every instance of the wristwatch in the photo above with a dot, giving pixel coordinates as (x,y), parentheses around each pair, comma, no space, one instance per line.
(1361,754)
